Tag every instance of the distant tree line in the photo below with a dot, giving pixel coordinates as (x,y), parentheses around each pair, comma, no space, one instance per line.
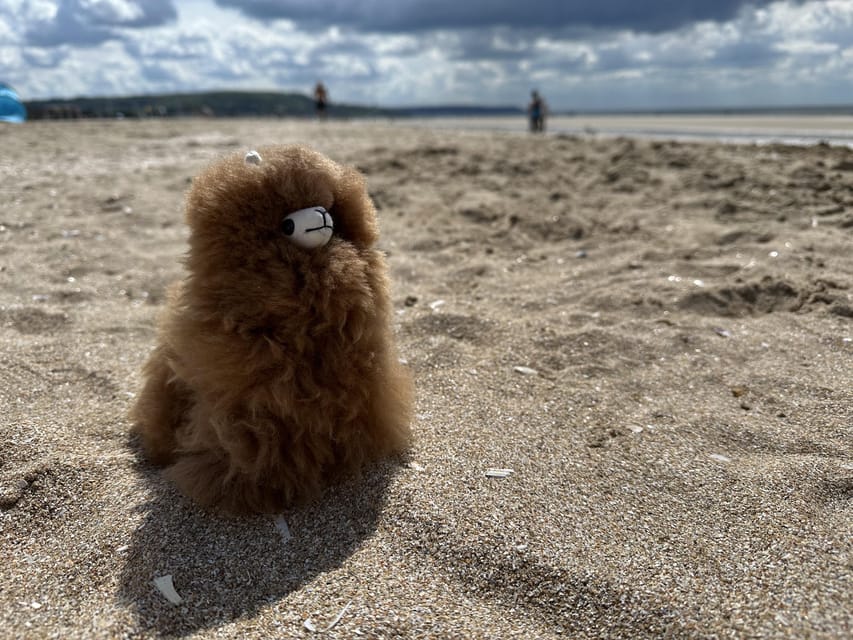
(217,103)
(233,104)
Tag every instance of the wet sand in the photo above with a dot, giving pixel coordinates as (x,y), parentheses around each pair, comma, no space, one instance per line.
(655,337)
(742,128)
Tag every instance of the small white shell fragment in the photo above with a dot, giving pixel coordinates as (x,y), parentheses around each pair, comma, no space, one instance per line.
(416,466)
(253,157)
(283,529)
(436,304)
(338,617)
(493,472)
(719,457)
(635,428)
(308,624)
(525,371)
(164,585)
(35,605)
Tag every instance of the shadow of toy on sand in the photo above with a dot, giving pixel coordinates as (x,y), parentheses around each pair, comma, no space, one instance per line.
(225,568)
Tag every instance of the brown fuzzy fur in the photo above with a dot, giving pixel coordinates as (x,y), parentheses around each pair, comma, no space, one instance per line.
(276,371)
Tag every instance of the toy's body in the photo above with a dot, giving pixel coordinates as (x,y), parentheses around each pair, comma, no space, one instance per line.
(276,371)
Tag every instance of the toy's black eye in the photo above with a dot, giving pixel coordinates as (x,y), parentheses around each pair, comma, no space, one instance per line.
(308,228)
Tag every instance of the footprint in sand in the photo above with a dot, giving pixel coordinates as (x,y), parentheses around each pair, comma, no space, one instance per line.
(766,296)
(448,333)
(32,320)
(458,327)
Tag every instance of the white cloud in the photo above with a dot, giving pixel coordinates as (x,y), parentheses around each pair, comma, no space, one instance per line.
(112,11)
(99,47)
(807,47)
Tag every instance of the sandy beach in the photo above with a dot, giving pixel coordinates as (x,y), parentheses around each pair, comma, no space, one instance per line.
(655,337)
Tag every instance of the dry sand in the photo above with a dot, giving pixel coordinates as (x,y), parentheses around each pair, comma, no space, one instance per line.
(679,430)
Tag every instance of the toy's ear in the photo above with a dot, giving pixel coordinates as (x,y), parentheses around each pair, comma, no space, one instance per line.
(252,157)
(353,211)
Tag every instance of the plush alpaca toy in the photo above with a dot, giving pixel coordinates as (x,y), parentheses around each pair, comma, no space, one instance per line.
(276,371)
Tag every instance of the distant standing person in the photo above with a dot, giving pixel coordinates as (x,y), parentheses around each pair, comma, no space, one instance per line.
(321,99)
(536,111)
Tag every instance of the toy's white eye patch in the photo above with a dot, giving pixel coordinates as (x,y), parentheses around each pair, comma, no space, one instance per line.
(308,228)
(252,157)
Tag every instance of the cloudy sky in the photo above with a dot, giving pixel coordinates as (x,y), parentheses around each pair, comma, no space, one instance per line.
(581,54)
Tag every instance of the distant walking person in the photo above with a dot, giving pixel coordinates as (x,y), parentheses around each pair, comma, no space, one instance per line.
(536,111)
(321,99)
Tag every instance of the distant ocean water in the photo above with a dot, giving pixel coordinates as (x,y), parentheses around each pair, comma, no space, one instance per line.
(736,128)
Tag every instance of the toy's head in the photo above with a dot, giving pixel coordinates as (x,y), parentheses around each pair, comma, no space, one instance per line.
(277,224)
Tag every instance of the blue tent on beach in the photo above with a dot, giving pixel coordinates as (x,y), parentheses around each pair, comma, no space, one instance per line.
(11,107)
